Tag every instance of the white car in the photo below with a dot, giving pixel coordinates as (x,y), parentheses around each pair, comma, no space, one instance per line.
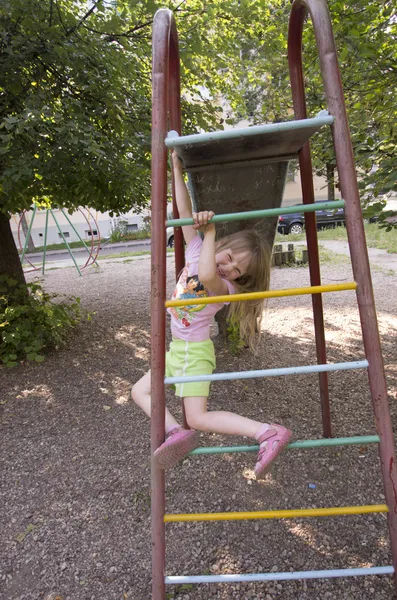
(170,237)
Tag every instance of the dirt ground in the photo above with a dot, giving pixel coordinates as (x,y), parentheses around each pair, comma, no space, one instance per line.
(75,485)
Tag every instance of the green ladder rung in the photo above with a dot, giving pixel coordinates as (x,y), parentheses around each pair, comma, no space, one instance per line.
(343,441)
(268,212)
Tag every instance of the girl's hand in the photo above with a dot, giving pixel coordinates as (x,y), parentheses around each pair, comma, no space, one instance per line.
(176,161)
(202,221)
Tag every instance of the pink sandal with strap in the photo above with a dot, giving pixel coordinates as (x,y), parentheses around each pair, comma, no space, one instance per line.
(276,438)
(178,443)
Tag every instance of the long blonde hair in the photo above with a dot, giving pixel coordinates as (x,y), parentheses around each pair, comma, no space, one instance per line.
(248,315)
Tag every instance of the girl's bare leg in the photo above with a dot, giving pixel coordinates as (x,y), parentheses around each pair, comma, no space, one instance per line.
(217,421)
(272,438)
(140,394)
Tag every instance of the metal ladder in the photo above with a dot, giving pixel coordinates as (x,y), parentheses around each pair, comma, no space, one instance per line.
(165,116)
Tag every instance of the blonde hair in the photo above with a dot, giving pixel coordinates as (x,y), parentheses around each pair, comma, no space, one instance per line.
(248,315)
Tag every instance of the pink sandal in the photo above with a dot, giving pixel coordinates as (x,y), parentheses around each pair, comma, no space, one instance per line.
(277,437)
(178,443)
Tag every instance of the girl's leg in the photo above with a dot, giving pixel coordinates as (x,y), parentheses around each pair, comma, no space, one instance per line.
(179,441)
(272,438)
(140,394)
(218,421)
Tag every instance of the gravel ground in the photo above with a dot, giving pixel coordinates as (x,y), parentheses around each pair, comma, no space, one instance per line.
(75,495)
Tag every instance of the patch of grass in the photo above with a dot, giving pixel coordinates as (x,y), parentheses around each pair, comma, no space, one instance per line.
(333,233)
(376,237)
(291,237)
(128,254)
(379,269)
(62,246)
(326,256)
(337,233)
(122,255)
(117,236)
(334,258)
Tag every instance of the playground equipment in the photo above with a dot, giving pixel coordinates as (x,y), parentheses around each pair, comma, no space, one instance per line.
(223,164)
(92,249)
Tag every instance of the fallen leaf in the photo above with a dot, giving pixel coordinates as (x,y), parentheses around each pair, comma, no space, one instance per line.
(21,536)
(106,407)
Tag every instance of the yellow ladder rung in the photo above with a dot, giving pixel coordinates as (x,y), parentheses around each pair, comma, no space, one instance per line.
(315,289)
(278,514)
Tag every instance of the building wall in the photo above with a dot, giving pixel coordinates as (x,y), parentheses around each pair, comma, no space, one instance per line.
(103,226)
(293,191)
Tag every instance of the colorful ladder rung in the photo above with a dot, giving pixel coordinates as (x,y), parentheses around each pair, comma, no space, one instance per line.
(261,214)
(314,289)
(324,442)
(277,514)
(325,574)
(174,139)
(359,364)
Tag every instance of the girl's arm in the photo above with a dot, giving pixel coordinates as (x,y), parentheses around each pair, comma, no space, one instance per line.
(207,269)
(183,200)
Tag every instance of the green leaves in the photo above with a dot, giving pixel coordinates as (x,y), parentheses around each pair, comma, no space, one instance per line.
(366,35)
(20,537)
(236,343)
(76,89)
(31,323)
(68,121)
(75,124)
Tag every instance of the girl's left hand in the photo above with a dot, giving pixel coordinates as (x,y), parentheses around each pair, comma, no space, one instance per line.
(202,221)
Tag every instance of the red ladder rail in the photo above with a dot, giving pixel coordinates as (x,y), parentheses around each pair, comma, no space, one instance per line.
(321,20)
(166,114)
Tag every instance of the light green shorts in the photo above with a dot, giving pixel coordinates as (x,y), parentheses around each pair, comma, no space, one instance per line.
(190,358)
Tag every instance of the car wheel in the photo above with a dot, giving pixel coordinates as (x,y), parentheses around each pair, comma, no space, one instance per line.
(296,228)
(171,242)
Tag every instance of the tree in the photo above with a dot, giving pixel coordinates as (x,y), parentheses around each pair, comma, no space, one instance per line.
(75,94)
(365,33)
(69,126)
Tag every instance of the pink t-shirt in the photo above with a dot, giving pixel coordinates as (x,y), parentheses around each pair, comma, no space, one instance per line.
(192,323)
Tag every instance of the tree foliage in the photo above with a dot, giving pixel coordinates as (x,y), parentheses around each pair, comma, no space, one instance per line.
(70,128)
(366,41)
(31,322)
(75,97)
(75,87)
(366,37)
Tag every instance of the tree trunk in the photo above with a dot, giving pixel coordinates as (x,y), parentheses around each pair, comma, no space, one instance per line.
(25,228)
(10,263)
(331,181)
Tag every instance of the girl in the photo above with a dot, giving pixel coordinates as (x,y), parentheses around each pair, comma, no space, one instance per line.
(235,264)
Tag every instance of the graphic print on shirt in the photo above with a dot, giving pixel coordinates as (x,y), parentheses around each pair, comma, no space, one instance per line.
(186,288)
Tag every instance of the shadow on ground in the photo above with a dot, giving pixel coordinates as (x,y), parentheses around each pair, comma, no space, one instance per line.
(75,468)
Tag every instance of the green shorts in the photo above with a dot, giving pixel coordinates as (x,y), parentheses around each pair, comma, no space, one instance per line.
(190,358)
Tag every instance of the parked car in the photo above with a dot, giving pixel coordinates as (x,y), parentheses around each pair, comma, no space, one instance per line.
(170,237)
(294,222)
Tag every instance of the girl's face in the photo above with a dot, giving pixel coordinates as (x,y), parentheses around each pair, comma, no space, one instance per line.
(191,285)
(232,265)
